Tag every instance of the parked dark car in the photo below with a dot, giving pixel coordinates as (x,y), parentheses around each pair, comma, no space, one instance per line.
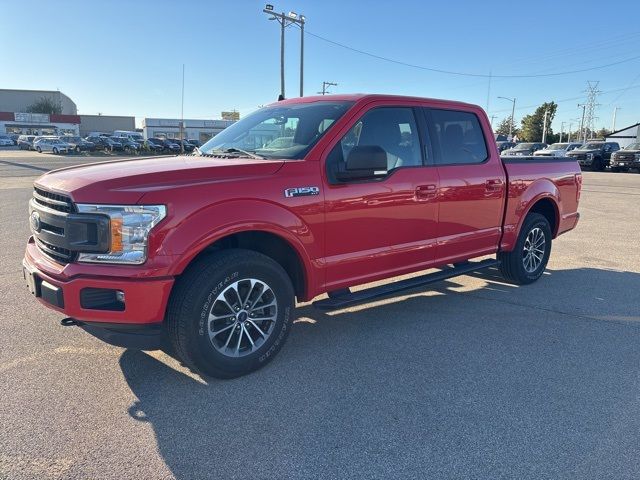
(188,147)
(79,144)
(167,145)
(195,143)
(595,155)
(524,149)
(153,147)
(127,144)
(25,142)
(104,143)
(14,137)
(503,145)
(626,159)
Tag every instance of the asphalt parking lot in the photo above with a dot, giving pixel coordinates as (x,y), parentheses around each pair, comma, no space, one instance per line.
(473,378)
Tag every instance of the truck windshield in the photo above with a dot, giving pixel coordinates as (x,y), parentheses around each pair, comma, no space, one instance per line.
(523,146)
(278,131)
(590,146)
(558,146)
(633,146)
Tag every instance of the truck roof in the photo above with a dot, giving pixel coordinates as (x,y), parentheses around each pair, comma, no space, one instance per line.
(354,97)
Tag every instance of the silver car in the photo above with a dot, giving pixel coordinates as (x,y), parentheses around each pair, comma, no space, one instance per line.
(51,144)
(556,150)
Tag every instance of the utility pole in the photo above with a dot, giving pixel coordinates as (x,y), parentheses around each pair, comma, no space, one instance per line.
(570,125)
(492,118)
(286,19)
(182,115)
(325,87)
(613,122)
(583,133)
(513,112)
(544,126)
(561,130)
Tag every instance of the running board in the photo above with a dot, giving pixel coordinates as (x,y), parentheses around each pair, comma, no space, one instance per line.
(343,300)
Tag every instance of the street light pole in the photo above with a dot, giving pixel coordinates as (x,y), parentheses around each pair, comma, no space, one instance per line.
(182,114)
(613,122)
(561,130)
(286,19)
(513,112)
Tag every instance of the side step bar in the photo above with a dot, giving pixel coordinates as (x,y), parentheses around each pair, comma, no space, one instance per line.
(344,298)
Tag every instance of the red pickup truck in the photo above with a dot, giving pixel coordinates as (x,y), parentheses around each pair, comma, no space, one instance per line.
(303,197)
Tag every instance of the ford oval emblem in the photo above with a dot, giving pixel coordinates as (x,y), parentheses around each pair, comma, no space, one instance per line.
(35,222)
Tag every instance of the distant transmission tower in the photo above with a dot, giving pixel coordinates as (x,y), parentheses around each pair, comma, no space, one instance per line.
(590,110)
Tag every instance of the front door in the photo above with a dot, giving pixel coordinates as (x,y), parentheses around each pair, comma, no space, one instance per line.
(381,226)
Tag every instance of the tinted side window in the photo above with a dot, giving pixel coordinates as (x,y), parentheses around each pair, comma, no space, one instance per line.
(391,128)
(459,136)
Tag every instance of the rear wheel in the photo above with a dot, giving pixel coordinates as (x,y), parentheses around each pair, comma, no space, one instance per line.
(230,313)
(528,260)
(77,149)
(55,151)
(38,149)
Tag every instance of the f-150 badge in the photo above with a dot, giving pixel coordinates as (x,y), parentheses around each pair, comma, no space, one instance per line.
(301,191)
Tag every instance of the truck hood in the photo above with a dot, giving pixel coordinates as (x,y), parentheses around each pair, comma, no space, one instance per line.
(582,152)
(126,181)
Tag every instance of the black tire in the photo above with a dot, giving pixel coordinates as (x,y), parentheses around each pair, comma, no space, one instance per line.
(597,165)
(38,149)
(77,149)
(55,151)
(512,264)
(195,296)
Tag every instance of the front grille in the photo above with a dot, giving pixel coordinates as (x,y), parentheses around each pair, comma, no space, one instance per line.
(59,254)
(51,200)
(579,157)
(53,209)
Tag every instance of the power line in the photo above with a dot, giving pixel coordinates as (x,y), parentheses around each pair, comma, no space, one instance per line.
(468,74)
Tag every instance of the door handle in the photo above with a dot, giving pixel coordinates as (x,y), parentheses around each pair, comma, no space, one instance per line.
(493,185)
(426,192)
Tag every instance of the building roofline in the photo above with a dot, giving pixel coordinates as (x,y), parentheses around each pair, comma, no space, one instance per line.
(623,129)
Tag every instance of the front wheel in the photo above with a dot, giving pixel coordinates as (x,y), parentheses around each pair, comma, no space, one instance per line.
(597,165)
(55,151)
(230,313)
(528,260)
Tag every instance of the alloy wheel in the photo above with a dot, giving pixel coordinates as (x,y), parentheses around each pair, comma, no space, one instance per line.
(534,249)
(242,317)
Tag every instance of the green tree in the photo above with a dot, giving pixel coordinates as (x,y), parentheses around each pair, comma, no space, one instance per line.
(45,105)
(532,125)
(503,127)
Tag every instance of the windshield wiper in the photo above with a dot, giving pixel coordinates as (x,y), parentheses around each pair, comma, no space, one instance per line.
(244,152)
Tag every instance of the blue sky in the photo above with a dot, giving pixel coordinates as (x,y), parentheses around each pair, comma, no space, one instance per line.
(125,57)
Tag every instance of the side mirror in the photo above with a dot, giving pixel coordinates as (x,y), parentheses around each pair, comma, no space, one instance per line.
(364,162)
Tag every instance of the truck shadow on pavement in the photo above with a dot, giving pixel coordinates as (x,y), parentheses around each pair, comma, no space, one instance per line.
(494,381)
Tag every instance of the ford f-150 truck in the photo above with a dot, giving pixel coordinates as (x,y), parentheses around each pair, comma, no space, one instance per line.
(209,250)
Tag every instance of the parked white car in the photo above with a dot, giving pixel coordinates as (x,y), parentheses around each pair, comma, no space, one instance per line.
(5,141)
(556,150)
(53,145)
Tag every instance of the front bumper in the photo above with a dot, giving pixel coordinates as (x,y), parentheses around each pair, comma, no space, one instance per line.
(145,299)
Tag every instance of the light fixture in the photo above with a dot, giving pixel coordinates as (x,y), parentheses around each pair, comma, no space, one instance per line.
(269,7)
(293,14)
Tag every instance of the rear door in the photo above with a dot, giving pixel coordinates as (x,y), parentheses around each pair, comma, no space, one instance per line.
(472,187)
(383,226)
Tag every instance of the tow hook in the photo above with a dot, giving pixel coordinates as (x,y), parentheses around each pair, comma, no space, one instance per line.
(70,322)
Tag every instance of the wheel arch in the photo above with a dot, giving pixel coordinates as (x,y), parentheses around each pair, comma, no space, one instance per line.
(272,244)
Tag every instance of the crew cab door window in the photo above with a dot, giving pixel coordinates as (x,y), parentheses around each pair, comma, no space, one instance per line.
(393,129)
(459,137)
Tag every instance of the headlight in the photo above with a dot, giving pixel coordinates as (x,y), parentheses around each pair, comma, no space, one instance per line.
(130,227)
(637,156)
(589,156)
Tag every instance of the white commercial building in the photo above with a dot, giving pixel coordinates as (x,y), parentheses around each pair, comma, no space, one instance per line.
(626,136)
(200,130)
